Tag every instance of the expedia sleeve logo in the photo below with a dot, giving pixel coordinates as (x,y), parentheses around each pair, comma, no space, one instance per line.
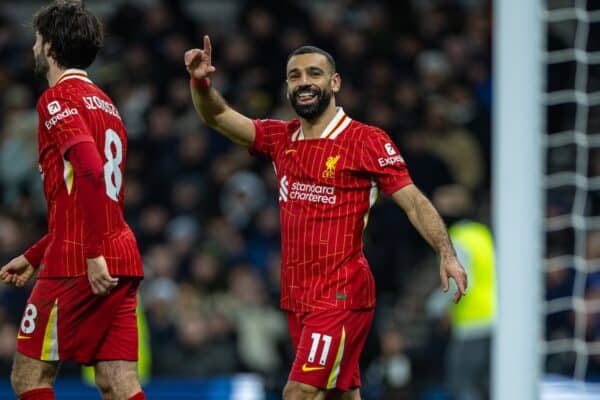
(393,156)
(53,107)
(390,149)
(61,115)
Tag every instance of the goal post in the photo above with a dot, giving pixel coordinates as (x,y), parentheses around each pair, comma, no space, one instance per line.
(517,187)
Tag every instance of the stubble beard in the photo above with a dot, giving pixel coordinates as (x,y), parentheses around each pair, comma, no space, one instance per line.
(41,67)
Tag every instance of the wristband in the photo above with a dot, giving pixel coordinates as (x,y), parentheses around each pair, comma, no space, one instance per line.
(200,84)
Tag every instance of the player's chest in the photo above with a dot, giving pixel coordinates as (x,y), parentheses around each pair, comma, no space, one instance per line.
(325,162)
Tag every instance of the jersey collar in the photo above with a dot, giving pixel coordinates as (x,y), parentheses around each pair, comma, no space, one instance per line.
(338,123)
(73,73)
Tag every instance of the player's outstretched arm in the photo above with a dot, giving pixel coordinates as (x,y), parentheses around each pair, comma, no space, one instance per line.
(209,104)
(430,225)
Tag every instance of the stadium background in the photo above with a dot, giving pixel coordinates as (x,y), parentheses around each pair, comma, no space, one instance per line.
(205,213)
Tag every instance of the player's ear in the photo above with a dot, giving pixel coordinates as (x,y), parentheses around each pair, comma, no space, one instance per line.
(336,82)
(47,48)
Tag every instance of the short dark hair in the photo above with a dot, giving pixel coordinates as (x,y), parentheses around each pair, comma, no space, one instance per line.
(75,34)
(313,49)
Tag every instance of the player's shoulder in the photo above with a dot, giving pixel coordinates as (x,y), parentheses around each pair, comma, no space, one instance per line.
(54,100)
(279,127)
(280,124)
(66,92)
(363,130)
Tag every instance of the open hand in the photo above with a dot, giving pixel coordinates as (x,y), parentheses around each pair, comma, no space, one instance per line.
(100,280)
(198,61)
(450,267)
(17,272)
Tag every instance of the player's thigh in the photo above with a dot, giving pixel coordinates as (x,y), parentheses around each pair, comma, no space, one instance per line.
(42,334)
(29,373)
(120,341)
(105,320)
(64,320)
(117,379)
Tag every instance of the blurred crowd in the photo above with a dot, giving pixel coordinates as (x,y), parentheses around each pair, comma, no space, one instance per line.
(205,213)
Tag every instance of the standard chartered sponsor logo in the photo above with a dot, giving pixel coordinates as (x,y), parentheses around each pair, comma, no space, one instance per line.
(283,189)
(57,117)
(306,192)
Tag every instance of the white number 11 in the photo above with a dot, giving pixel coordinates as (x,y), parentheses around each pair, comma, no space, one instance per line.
(315,344)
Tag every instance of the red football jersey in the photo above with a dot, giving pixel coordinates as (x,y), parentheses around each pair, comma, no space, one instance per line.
(326,188)
(73,111)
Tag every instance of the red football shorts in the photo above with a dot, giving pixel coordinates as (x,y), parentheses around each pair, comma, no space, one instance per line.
(64,320)
(328,345)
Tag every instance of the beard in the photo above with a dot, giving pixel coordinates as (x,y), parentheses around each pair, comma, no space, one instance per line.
(41,65)
(314,110)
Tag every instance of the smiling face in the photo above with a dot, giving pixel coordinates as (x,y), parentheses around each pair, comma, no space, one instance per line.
(311,84)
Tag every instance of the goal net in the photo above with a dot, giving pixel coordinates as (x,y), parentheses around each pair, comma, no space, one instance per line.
(571,140)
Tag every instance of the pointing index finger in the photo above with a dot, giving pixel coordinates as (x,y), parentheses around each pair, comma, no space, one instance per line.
(208,48)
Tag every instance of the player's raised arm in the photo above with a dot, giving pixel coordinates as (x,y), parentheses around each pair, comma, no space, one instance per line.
(430,225)
(209,104)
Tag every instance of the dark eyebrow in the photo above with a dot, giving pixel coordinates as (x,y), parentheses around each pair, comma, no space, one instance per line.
(310,69)
(316,69)
(293,70)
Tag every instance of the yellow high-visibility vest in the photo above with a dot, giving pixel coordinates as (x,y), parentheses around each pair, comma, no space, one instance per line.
(474,244)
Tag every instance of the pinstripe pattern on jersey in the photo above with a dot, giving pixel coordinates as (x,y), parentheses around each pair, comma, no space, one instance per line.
(64,255)
(323,215)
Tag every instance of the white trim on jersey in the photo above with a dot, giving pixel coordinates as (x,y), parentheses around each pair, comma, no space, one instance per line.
(73,73)
(338,123)
(296,135)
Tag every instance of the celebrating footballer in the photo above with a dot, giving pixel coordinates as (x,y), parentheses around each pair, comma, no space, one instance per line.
(330,169)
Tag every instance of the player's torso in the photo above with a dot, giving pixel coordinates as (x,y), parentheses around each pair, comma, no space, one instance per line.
(324,199)
(107,129)
(98,118)
(320,179)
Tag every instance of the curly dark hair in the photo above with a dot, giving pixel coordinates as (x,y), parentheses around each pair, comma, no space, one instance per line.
(74,33)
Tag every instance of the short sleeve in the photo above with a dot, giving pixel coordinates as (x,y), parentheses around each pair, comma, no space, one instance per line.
(62,123)
(381,158)
(268,133)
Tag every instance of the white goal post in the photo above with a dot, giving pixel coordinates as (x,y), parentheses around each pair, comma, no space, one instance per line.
(546,195)
(517,199)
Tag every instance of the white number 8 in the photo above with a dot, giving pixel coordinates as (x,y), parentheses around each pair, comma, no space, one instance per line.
(112,173)
(28,321)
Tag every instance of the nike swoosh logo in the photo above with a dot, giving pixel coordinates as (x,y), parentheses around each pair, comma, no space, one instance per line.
(306,368)
(288,151)
(19,336)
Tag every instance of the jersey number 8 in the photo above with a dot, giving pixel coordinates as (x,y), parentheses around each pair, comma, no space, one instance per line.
(112,173)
